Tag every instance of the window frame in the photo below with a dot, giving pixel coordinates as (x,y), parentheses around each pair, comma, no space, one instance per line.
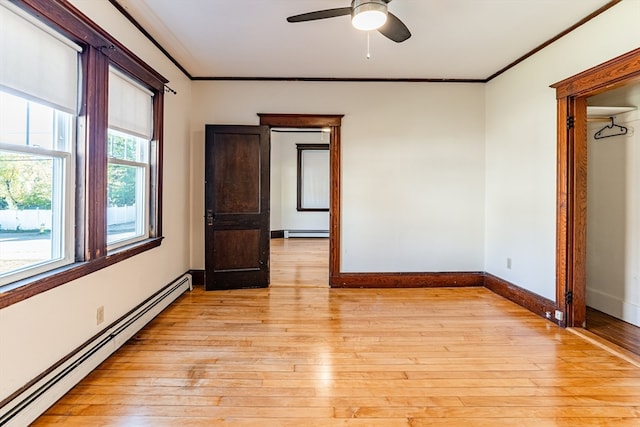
(145,197)
(65,204)
(142,166)
(301,187)
(100,50)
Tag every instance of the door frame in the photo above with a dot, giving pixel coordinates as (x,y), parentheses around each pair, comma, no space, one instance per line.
(332,122)
(571,183)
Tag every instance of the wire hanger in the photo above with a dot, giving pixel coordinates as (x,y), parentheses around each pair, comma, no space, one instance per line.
(611,129)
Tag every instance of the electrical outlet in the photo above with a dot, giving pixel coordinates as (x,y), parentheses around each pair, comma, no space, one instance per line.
(547,314)
(100,315)
(509,263)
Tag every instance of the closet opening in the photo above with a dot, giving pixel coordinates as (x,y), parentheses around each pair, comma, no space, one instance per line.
(573,97)
(612,288)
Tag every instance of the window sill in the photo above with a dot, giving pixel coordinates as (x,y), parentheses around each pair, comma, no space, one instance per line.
(20,290)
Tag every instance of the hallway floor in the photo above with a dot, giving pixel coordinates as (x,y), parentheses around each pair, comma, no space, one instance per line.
(614,330)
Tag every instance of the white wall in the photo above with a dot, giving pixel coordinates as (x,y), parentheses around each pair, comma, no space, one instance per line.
(412,165)
(37,332)
(415,196)
(284,183)
(521,147)
(613,218)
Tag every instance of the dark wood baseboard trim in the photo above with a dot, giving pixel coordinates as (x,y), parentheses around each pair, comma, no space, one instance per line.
(524,298)
(277,234)
(197,277)
(407,280)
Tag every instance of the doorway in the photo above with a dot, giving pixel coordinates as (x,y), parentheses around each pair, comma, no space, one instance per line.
(299,214)
(613,216)
(237,228)
(332,123)
(571,240)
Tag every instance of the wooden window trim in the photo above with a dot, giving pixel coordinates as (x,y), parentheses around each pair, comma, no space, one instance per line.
(23,289)
(301,148)
(100,50)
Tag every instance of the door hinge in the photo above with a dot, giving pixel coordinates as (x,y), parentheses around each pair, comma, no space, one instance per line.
(568,297)
(570,122)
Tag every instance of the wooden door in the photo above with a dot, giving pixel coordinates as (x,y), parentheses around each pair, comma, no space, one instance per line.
(236,207)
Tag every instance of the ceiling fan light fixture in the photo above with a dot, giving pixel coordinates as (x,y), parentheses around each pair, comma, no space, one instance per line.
(368,15)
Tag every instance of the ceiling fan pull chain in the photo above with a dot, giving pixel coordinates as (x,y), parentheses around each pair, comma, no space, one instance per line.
(368,46)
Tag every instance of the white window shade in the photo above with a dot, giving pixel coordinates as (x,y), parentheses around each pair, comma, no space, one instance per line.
(37,62)
(315,179)
(130,106)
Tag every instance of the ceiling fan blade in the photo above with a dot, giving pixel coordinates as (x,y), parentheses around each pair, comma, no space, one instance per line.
(394,29)
(320,14)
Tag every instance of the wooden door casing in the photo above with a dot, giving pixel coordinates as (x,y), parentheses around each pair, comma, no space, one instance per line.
(571,95)
(332,122)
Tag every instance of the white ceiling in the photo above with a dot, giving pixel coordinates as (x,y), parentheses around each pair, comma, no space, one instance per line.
(451,39)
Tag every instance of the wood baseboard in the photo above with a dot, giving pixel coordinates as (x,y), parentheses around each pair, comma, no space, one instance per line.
(527,299)
(197,277)
(524,298)
(277,234)
(407,280)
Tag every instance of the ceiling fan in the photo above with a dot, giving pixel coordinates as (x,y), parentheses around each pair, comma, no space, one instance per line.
(365,15)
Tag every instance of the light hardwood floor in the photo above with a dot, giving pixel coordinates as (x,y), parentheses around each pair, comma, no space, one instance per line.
(300,262)
(301,354)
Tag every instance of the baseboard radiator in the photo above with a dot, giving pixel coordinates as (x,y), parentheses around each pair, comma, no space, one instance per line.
(305,233)
(36,399)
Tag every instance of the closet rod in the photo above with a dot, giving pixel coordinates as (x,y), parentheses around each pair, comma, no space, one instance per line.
(598,119)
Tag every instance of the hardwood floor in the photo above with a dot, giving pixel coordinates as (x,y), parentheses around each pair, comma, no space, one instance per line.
(614,330)
(300,262)
(294,355)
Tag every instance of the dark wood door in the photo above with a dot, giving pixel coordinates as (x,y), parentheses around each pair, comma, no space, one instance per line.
(236,207)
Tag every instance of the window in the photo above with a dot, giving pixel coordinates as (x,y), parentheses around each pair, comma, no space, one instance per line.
(80,149)
(37,121)
(313,177)
(129,136)
(36,187)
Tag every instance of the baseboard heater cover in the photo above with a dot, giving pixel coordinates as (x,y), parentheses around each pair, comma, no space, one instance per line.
(35,400)
(305,233)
